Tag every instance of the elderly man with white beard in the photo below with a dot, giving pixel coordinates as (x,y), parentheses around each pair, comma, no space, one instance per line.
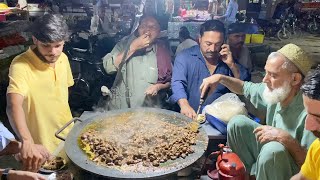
(277,150)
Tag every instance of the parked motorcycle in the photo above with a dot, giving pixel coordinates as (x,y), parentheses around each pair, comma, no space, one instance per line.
(276,28)
(309,21)
(292,24)
(85,57)
(314,24)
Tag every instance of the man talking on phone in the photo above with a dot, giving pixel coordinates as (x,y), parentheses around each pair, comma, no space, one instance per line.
(194,64)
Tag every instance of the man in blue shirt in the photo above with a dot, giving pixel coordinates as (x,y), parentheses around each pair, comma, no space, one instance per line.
(230,15)
(192,65)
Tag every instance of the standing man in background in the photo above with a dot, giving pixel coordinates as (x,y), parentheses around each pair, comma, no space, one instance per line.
(213,7)
(236,38)
(185,39)
(230,15)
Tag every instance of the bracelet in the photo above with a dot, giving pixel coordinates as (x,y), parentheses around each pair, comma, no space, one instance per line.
(5,174)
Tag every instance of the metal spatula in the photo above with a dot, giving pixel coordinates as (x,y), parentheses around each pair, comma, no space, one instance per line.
(195,124)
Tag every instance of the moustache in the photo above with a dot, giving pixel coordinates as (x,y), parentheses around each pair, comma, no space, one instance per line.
(212,52)
(50,55)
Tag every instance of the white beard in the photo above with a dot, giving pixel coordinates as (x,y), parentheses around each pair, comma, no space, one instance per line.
(276,95)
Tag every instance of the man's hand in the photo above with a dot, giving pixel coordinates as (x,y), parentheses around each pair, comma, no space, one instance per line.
(24,175)
(265,134)
(226,55)
(217,17)
(211,83)
(43,151)
(187,110)
(140,42)
(152,90)
(32,156)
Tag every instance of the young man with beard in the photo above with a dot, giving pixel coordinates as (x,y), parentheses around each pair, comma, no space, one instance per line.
(240,52)
(37,95)
(192,65)
(146,69)
(278,149)
(311,98)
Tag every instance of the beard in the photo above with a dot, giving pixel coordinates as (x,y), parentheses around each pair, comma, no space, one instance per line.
(316,134)
(211,55)
(237,46)
(276,95)
(51,58)
(48,58)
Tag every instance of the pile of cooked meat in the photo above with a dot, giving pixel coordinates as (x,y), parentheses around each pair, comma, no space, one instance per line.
(131,140)
(53,164)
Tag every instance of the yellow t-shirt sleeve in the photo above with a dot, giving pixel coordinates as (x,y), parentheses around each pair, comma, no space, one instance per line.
(18,77)
(311,166)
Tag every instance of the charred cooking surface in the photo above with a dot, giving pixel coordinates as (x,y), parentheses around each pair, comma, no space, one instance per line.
(132,140)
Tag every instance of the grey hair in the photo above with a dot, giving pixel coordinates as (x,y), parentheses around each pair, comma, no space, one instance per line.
(287,65)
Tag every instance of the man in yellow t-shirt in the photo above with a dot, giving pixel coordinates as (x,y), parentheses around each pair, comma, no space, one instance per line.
(37,95)
(310,170)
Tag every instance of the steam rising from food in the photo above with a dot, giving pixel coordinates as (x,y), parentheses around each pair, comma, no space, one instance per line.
(130,139)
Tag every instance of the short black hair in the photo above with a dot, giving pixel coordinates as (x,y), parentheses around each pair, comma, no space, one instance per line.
(149,16)
(212,25)
(184,33)
(50,28)
(311,85)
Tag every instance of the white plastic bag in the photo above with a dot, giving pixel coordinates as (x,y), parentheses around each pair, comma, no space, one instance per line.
(225,107)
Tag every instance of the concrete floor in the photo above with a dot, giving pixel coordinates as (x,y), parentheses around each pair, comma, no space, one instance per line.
(309,42)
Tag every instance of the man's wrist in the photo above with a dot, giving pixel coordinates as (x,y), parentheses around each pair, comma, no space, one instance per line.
(285,140)
(231,65)
(132,49)
(26,140)
(221,78)
(158,87)
(183,102)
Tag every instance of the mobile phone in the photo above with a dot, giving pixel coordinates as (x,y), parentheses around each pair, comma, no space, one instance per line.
(224,42)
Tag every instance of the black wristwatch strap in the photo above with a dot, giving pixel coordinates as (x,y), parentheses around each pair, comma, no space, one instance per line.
(5,173)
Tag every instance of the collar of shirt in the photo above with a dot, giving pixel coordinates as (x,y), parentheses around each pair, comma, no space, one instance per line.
(36,61)
(296,102)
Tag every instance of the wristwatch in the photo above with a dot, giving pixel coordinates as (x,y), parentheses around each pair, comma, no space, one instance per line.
(5,173)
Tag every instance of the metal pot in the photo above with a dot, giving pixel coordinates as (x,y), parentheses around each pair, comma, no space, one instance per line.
(78,157)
